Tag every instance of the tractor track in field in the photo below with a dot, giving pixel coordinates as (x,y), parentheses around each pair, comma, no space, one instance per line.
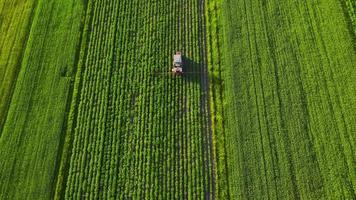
(206,98)
(210,165)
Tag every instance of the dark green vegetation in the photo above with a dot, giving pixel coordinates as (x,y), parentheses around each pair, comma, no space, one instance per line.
(290,99)
(134,134)
(270,115)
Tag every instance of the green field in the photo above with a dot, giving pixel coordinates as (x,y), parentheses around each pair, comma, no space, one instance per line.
(30,140)
(290,99)
(266,109)
(125,117)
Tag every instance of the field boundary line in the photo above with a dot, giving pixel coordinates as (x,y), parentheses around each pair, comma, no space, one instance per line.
(206,97)
(66,143)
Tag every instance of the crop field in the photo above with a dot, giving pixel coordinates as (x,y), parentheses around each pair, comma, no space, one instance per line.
(290,92)
(265,108)
(37,77)
(126,117)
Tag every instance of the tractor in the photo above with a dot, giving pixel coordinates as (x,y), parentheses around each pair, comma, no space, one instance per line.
(177,63)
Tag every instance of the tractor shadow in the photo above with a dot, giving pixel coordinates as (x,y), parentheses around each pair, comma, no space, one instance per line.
(198,73)
(193,71)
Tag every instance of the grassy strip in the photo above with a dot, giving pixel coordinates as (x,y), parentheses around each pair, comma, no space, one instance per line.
(67,144)
(215,57)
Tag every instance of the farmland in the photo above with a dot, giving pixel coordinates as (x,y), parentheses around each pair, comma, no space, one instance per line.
(289,72)
(125,117)
(31,134)
(12,45)
(89,110)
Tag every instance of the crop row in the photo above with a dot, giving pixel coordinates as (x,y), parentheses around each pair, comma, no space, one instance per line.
(137,135)
(351,7)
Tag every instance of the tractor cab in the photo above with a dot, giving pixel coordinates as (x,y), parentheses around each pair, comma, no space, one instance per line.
(177,64)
